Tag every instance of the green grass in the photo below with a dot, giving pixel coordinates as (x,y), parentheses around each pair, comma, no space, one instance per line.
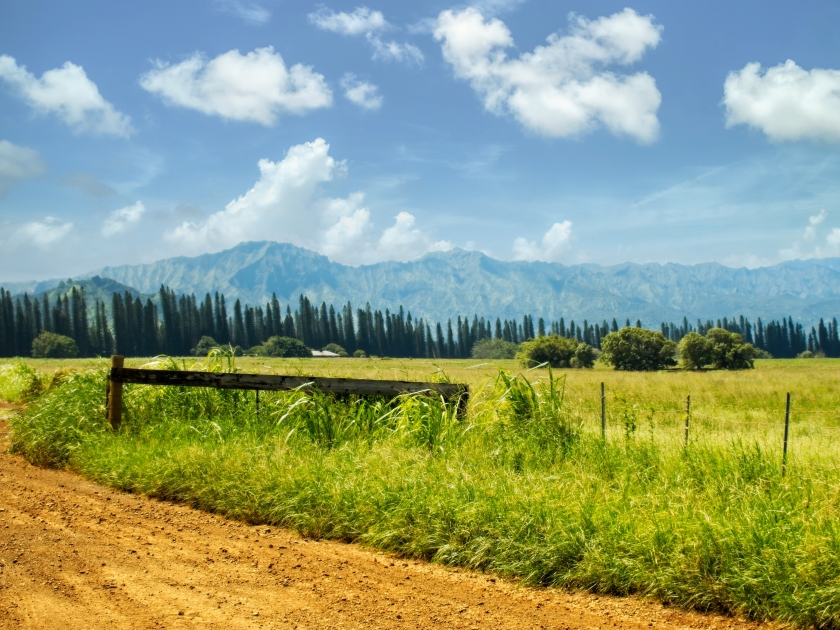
(523,487)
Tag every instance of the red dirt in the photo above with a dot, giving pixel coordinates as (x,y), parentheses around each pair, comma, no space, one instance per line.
(76,555)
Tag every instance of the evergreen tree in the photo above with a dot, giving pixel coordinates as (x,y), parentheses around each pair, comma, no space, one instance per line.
(349,338)
(238,337)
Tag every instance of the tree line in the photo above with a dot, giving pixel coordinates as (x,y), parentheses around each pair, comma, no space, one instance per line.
(134,327)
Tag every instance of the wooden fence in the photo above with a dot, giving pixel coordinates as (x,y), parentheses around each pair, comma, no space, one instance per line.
(262,382)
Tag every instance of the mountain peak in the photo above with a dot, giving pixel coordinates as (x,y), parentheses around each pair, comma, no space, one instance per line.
(444,284)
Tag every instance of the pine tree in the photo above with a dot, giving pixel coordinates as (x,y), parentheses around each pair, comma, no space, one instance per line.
(238,337)
(349,339)
(289,324)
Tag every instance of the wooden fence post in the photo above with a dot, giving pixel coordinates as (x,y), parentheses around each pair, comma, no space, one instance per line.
(114,396)
(687,416)
(787,428)
(603,413)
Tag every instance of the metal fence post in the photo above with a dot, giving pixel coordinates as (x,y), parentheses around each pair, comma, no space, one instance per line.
(687,416)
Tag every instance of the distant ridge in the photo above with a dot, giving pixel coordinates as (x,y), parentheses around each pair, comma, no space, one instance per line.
(444,284)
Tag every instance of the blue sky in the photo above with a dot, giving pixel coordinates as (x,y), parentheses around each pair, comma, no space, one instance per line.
(564,131)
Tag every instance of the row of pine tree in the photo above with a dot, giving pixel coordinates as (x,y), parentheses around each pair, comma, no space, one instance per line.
(137,328)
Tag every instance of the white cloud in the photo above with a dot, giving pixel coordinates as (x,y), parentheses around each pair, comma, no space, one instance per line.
(120,220)
(247,11)
(278,206)
(285,205)
(811,229)
(17,164)
(255,87)
(402,241)
(561,89)
(45,233)
(555,243)
(361,21)
(348,233)
(809,236)
(365,95)
(394,51)
(69,94)
(785,102)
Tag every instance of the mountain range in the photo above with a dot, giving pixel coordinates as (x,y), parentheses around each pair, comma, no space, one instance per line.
(445,284)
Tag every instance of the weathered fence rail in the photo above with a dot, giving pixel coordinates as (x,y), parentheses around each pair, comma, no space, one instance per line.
(120,375)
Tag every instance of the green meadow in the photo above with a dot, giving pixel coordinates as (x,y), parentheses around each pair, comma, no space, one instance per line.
(523,486)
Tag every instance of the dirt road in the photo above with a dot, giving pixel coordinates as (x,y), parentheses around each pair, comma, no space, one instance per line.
(77,555)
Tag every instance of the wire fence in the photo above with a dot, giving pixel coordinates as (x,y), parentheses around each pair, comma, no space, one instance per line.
(690,421)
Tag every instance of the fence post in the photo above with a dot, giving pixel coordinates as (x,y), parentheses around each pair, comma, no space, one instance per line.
(787,428)
(687,416)
(603,413)
(114,395)
(257,400)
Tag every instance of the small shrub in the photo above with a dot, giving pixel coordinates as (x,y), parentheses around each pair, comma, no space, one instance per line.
(281,347)
(494,349)
(638,349)
(694,351)
(728,350)
(334,347)
(557,351)
(49,345)
(204,346)
(720,349)
(584,356)
(359,354)
(807,354)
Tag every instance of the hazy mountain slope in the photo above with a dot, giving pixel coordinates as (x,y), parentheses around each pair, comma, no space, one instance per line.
(444,284)
(31,287)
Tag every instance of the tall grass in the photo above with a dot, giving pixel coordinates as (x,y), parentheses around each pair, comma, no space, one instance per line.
(523,487)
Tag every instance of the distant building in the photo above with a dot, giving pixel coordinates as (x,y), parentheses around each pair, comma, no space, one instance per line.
(326,354)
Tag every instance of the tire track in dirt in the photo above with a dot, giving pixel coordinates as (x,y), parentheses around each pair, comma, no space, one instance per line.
(76,555)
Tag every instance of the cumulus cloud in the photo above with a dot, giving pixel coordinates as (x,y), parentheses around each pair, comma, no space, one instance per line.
(394,51)
(403,241)
(45,233)
(256,87)
(554,245)
(811,229)
(785,102)
(69,94)
(248,11)
(564,88)
(365,95)
(810,246)
(17,164)
(363,21)
(285,204)
(121,220)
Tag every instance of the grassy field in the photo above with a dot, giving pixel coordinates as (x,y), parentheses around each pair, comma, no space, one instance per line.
(524,486)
